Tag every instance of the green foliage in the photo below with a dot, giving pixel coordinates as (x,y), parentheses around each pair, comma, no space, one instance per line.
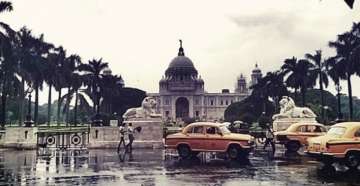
(248,110)
(264,121)
(314,103)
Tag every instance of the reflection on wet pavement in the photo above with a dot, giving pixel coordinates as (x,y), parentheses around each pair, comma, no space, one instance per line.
(155,167)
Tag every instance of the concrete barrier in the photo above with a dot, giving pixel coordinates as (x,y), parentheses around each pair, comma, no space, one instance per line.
(151,136)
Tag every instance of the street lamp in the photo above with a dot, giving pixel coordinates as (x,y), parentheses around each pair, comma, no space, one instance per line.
(97,120)
(338,89)
(28,121)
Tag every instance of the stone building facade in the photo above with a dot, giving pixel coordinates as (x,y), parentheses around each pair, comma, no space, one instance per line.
(182,93)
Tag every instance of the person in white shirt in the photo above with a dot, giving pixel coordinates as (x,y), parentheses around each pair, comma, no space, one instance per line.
(130,132)
(122,135)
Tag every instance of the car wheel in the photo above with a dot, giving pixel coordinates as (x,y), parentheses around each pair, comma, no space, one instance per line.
(184,151)
(352,160)
(292,146)
(233,152)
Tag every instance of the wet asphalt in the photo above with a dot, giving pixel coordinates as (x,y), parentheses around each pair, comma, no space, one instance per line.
(150,167)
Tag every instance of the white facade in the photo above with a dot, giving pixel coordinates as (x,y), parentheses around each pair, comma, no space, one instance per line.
(181,93)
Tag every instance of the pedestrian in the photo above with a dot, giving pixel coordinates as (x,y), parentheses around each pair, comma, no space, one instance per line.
(130,132)
(269,138)
(122,136)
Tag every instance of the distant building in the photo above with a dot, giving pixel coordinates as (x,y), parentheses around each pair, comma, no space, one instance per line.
(181,92)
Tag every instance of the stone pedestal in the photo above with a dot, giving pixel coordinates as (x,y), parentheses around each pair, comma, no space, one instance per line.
(284,123)
(151,135)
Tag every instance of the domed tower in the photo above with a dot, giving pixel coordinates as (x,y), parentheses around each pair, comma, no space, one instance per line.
(255,75)
(241,86)
(181,75)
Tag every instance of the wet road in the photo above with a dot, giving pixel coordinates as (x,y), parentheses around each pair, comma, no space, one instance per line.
(155,167)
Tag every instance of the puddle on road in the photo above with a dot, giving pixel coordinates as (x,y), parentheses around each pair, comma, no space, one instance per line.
(154,167)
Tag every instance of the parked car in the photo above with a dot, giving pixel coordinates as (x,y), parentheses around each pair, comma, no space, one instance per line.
(341,143)
(209,137)
(297,134)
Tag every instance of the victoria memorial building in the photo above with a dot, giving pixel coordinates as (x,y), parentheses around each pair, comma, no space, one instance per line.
(182,92)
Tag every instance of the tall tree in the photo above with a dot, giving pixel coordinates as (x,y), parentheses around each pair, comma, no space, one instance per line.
(59,82)
(71,65)
(38,70)
(8,62)
(92,73)
(336,72)
(297,74)
(319,71)
(345,45)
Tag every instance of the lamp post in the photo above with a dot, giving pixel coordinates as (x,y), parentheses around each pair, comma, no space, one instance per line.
(97,120)
(28,121)
(262,96)
(338,89)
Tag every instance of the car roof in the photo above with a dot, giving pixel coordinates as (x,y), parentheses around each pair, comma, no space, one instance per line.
(207,124)
(203,124)
(305,123)
(347,124)
(295,125)
(350,127)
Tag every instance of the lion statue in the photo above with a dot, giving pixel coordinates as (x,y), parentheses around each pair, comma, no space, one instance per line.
(288,109)
(147,110)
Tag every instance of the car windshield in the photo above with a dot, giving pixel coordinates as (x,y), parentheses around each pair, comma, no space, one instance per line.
(224,130)
(336,131)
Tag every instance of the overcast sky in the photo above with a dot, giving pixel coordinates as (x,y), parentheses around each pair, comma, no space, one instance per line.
(223,38)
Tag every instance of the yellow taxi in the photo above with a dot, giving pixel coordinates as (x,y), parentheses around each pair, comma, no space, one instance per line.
(342,142)
(297,134)
(209,137)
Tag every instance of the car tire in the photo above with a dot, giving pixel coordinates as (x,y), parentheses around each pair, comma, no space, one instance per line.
(352,160)
(293,146)
(184,151)
(233,152)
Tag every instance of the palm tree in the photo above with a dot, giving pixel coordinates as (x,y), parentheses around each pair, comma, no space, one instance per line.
(24,51)
(304,67)
(38,70)
(59,82)
(345,45)
(336,72)
(110,87)
(298,75)
(92,74)
(319,70)
(7,64)
(51,77)
(72,62)
(293,78)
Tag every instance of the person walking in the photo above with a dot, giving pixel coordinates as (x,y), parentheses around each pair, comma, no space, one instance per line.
(130,132)
(269,138)
(122,136)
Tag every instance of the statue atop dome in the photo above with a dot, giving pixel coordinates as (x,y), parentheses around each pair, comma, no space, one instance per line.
(181,49)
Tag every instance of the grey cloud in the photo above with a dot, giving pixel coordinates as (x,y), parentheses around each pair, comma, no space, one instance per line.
(284,23)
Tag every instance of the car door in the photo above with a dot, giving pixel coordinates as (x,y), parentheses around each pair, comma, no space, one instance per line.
(215,140)
(196,138)
(357,138)
(301,134)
